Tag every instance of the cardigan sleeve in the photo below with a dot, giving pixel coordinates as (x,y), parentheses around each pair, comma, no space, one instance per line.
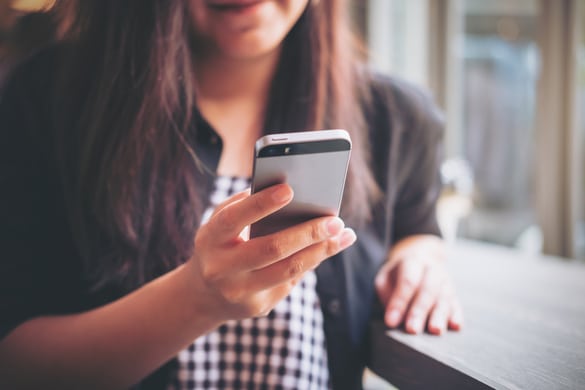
(417,163)
(415,154)
(19,195)
(32,269)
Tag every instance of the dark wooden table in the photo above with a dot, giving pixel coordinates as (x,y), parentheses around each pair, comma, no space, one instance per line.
(524,327)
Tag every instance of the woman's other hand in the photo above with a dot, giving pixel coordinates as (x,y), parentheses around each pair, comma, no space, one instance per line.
(240,278)
(415,288)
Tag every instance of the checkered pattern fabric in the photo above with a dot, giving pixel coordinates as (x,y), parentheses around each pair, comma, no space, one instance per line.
(284,350)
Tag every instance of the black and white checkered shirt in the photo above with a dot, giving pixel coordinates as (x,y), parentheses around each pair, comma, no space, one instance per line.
(284,350)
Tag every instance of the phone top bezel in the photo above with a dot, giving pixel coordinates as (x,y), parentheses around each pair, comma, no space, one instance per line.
(306,142)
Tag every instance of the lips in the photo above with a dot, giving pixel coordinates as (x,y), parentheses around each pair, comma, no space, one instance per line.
(232,4)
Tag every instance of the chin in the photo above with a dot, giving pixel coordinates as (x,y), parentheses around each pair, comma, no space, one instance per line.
(248,48)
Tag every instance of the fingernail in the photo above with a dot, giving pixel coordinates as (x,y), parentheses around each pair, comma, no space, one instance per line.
(415,325)
(281,194)
(348,237)
(455,324)
(393,318)
(436,327)
(333,226)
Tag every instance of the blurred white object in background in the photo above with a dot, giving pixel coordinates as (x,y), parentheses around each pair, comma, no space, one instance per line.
(455,201)
(530,241)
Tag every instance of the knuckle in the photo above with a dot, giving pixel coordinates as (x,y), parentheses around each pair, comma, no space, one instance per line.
(440,310)
(293,282)
(258,203)
(316,232)
(295,267)
(408,283)
(257,308)
(273,248)
(263,312)
(209,272)
(398,303)
(232,295)
(426,298)
(416,312)
(225,219)
(332,247)
(445,295)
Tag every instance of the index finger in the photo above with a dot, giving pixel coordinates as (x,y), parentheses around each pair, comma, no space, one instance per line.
(408,279)
(232,199)
(232,219)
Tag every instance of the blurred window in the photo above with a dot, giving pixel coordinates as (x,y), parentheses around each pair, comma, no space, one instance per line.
(489,94)
(500,70)
(485,62)
(398,37)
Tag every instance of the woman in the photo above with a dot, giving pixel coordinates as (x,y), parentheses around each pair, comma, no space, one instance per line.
(114,145)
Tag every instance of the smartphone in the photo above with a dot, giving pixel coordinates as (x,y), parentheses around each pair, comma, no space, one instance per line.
(313,163)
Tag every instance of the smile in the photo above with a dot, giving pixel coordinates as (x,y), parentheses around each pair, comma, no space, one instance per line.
(233,5)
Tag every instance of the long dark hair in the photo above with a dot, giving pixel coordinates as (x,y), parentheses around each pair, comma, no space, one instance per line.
(133,188)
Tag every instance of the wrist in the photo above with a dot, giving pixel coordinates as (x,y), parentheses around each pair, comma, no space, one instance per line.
(199,302)
(424,245)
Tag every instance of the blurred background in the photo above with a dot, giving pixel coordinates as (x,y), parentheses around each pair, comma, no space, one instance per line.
(510,77)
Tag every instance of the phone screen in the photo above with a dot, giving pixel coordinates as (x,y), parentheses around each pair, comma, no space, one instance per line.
(316,172)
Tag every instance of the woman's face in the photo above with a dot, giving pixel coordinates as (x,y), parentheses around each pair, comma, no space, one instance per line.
(244,29)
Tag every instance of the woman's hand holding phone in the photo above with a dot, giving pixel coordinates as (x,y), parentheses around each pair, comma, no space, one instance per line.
(241,278)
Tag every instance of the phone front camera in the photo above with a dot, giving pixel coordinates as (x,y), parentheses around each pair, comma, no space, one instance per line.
(287,150)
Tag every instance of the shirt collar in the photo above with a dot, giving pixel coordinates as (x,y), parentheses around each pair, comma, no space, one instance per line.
(208,144)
